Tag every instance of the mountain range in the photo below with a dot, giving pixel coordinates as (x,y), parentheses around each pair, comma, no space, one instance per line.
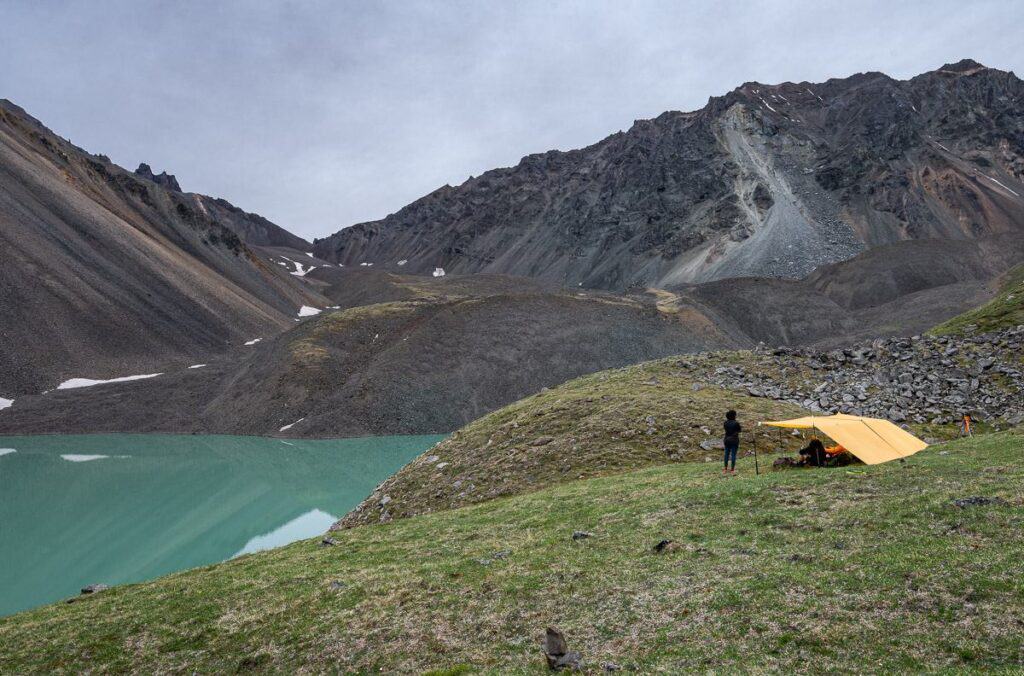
(792,214)
(768,180)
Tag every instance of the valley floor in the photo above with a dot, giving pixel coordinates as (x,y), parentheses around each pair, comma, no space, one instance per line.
(861,569)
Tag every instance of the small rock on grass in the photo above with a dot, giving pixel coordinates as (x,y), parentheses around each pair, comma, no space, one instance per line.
(496,556)
(557,652)
(337,585)
(666,546)
(581,535)
(95,588)
(977,501)
(328,542)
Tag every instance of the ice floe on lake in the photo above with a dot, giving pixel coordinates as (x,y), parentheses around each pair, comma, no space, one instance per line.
(5,451)
(75,383)
(78,457)
(312,523)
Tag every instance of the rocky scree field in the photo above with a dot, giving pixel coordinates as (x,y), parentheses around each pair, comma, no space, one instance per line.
(901,567)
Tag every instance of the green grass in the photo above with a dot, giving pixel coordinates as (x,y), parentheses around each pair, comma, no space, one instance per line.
(867,569)
(608,422)
(1003,311)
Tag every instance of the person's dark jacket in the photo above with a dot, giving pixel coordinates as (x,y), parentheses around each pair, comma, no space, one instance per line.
(732,432)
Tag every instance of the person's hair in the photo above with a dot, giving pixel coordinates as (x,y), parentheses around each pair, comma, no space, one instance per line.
(730,415)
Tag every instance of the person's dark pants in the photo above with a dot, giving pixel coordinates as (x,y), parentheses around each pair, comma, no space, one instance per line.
(731,448)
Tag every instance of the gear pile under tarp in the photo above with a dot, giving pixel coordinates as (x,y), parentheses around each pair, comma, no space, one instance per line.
(872,440)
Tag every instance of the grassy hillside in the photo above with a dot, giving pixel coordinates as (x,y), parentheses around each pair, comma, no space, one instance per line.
(606,422)
(1003,311)
(866,569)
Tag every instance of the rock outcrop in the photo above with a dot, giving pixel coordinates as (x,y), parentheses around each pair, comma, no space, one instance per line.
(163,178)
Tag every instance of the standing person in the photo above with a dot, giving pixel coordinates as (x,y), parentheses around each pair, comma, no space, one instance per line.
(731,441)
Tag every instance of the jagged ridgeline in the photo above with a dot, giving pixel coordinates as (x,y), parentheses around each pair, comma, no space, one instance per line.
(768,180)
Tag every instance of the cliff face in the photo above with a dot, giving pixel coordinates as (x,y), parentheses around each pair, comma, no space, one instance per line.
(769,180)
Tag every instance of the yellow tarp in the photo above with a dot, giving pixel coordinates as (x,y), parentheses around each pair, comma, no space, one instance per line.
(872,440)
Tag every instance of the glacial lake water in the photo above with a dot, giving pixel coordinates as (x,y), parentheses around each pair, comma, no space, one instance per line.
(117,508)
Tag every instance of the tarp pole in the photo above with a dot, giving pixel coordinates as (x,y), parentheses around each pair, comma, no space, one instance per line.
(757,470)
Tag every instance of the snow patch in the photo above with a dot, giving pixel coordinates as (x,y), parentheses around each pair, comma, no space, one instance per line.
(300,269)
(75,383)
(6,403)
(197,366)
(403,261)
(439,272)
(306,311)
(6,451)
(253,341)
(288,427)
(767,106)
(77,457)
(366,265)
(1001,185)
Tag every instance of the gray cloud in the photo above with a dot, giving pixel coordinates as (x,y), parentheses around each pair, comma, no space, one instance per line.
(319,115)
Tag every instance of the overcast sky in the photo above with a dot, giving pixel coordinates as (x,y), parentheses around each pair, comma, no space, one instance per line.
(319,115)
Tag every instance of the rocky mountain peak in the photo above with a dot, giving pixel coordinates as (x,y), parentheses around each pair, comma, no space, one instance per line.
(963,66)
(163,178)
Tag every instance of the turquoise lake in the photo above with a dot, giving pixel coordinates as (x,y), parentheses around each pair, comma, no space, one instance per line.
(117,508)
